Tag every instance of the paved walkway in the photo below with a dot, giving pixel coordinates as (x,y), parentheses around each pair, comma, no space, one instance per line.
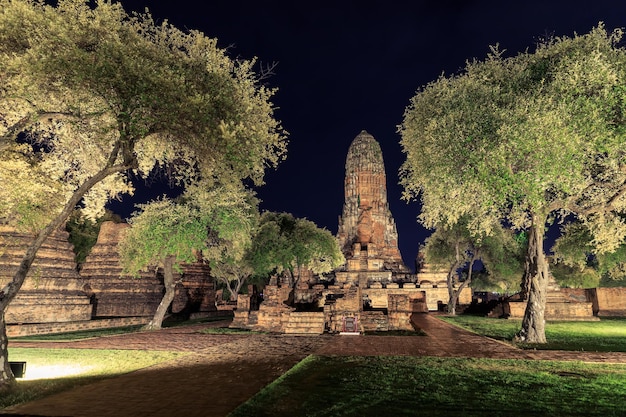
(223,371)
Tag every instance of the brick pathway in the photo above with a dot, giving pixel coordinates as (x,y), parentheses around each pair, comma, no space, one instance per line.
(223,371)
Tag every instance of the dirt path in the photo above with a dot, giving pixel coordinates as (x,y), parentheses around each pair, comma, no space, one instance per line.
(223,371)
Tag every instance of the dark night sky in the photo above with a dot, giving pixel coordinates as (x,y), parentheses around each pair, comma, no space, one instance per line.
(354,65)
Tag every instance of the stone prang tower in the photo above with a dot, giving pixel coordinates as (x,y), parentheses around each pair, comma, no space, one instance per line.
(367,232)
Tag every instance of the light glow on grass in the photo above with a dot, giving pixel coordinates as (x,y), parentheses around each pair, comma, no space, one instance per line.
(54,370)
(36,371)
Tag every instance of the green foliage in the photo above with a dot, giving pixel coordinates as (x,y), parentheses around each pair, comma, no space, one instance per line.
(285,243)
(403,385)
(95,88)
(233,217)
(162,229)
(216,222)
(91,95)
(523,136)
(83,232)
(569,277)
(525,140)
(501,253)
(579,264)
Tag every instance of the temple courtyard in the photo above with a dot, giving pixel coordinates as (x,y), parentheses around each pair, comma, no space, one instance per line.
(223,371)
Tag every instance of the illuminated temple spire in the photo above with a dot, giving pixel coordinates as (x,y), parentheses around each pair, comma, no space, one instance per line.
(366,227)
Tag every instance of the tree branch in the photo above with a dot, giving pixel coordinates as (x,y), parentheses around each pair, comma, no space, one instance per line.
(11,289)
(602,207)
(36,117)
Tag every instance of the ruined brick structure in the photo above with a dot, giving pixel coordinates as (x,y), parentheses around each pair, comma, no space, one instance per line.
(56,297)
(367,232)
(119,295)
(52,291)
(374,290)
(115,294)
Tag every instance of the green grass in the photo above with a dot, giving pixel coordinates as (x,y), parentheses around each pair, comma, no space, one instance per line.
(606,335)
(77,335)
(89,334)
(49,371)
(407,386)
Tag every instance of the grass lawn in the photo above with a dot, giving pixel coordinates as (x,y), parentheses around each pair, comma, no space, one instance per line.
(53,370)
(322,386)
(77,335)
(606,335)
(88,334)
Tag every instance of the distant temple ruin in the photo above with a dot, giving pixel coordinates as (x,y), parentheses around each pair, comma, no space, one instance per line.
(367,232)
(374,290)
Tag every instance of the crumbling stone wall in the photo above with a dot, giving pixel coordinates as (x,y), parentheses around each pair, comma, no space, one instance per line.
(116,294)
(430,295)
(608,301)
(53,291)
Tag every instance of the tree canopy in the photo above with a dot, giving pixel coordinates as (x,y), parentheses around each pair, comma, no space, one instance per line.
(233,224)
(525,139)
(284,243)
(98,88)
(91,94)
(577,263)
(457,247)
(163,234)
(161,229)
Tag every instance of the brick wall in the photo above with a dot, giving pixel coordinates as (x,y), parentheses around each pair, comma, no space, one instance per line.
(608,301)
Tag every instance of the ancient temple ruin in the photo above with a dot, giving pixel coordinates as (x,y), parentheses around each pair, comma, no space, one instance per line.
(53,291)
(56,297)
(373,290)
(367,231)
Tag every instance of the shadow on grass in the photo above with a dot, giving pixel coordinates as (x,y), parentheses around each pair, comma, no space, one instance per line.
(408,386)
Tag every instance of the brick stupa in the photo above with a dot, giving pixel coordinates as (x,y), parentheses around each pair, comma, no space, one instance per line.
(367,231)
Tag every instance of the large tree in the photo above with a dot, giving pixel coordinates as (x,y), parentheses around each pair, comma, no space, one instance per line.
(525,139)
(89,95)
(212,224)
(284,243)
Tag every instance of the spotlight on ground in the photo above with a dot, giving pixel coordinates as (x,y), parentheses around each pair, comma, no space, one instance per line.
(18,369)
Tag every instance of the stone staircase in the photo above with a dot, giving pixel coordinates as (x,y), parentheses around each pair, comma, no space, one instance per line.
(305,323)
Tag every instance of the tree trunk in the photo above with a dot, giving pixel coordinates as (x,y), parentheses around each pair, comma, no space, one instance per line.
(526,278)
(7,380)
(533,324)
(452,299)
(292,293)
(234,287)
(10,290)
(168,297)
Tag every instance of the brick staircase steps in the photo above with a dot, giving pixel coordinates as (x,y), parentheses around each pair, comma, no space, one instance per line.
(305,323)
